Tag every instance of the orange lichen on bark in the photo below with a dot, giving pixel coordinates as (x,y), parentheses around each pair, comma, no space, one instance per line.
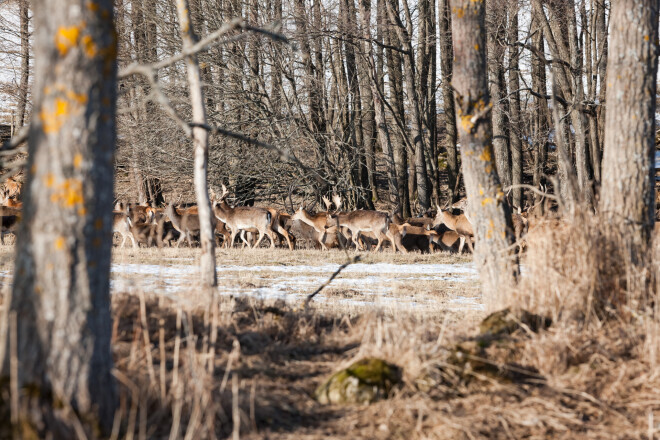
(59,243)
(55,113)
(66,38)
(89,46)
(69,194)
(77,160)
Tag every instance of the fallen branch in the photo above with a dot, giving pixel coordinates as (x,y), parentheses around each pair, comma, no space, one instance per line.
(332,277)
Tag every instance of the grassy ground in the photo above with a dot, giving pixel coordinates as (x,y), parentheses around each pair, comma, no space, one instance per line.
(202,365)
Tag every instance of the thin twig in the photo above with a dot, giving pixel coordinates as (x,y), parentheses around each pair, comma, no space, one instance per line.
(18,139)
(332,277)
(531,188)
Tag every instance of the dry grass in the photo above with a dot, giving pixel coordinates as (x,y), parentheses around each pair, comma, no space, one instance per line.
(217,367)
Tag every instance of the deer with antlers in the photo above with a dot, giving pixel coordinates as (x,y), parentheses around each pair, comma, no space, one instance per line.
(362,220)
(318,221)
(244,218)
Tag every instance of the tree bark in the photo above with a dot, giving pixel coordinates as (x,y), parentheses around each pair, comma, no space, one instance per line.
(497,86)
(395,82)
(201,149)
(627,196)
(61,291)
(446,64)
(515,143)
(492,220)
(379,107)
(25,61)
(423,194)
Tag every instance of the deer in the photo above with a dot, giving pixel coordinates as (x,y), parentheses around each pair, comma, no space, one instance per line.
(318,221)
(364,220)
(185,224)
(244,218)
(121,225)
(458,223)
(10,217)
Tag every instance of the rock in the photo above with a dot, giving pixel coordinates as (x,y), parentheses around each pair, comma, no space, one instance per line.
(506,321)
(366,381)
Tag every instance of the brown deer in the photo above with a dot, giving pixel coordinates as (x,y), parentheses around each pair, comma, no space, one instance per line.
(121,225)
(458,223)
(186,224)
(244,218)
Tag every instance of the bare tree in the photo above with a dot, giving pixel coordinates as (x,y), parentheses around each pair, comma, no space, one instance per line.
(59,309)
(492,220)
(200,137)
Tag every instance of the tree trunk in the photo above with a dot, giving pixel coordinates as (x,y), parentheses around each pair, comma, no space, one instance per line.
(423,194)
(201,149)
(541,120)
(492,220)
(497,87)
(379,107)
(446,64)
(627,195)
(515,143)
(61,291)
(25,61)
(395,81)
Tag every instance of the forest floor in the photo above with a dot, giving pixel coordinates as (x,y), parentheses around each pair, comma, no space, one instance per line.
(247,361)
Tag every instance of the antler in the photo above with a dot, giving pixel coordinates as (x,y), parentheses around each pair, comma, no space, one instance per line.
(224,192)
(337,201)
(328,203)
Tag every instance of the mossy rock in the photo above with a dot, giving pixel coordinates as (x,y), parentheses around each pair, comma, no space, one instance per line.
(365,381)
(506,321)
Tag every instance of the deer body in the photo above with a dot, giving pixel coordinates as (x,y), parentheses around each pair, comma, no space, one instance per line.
(317,221)
(366,221)
(121,225)
(245,218)
(458,223)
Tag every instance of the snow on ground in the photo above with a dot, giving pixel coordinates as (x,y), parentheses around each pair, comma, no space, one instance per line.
(359,285)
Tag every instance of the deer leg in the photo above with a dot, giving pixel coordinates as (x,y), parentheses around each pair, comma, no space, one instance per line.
(468,240)
(461,242)
(380,242)
(182,237)
(231,241)
(356,239)
(258,243)
(285,234)
(133,240)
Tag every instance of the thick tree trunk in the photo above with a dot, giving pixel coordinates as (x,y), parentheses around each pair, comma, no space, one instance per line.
(627,196)
(492,220)
(446,64)
(201,149)
(61,291)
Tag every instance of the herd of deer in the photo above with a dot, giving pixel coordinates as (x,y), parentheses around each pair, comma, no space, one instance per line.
(324,230)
